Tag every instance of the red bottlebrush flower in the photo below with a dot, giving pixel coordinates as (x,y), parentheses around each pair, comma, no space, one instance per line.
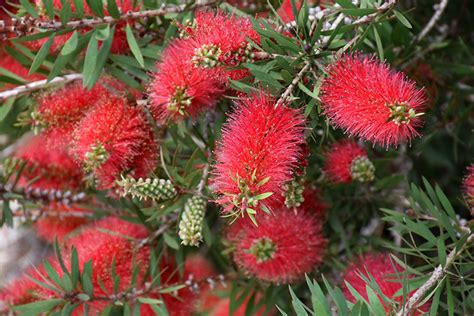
(110,240)
(222,39)
(260,146)
(468,186)
(64,107)
(109,138)
(60,221)
(181,89)
(387,274)
(48,164)
(282,248)
(369,100)
(346,161)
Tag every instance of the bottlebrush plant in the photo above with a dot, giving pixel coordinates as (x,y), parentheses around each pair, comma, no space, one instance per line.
(237,157)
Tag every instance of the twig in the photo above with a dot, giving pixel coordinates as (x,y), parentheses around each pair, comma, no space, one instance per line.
(157,233)
(293,84)
(380,10)
(44,196)
(37,85)
(439,11)
(27,25)
(434,279)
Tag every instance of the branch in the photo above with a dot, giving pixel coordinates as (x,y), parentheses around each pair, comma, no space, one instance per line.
(44,196)
(439,11)
(37,85)
(380,10)
(160,231)
(293,84)
(27,25)
(434,279)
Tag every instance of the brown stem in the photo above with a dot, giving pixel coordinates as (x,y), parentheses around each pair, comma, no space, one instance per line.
(292,85)
(30,25)
(38,85)
(436,276)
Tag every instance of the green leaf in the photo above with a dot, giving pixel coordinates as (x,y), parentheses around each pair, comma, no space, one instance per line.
(79,8)
(52,273)
(25,4)
(298,306)
(132,42)
(37,308)
(87,283)
(48,7)
(112,9)
(318,300)
(263,196)
(358,12)
(421,230)
(96,7)
(441,251)
(83,297)
(74,267)
(90,61)
(71,44)
(172,289)
(7,216)
(402,19)
(346,4)
(66,11)
(378,41)
(147,300)
(375,304)
(41,55)
(338,298)
(86,280)
(307,91)
(6,107)
(445,202)
(102,57)
(57,251)
(170,241)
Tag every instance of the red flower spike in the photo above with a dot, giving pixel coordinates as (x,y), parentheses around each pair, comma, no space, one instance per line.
(283,247)
(369,100)
(346,161)
(227,35)
(110,138)
(468,187)
(48,164)
(62,223)
(387,274)
(260,147)
(179,88)
(64,107)
(110,240)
